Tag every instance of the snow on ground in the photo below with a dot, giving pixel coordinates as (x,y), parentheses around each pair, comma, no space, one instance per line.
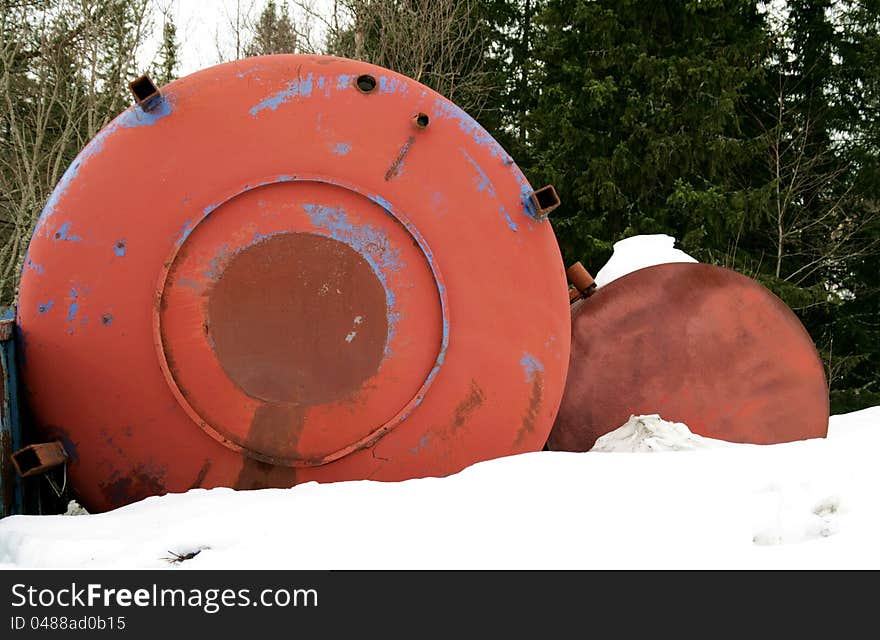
(638,252)
(807,504)
(650,495)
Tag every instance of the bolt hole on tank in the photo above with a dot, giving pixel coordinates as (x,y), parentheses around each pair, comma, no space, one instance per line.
(306,298)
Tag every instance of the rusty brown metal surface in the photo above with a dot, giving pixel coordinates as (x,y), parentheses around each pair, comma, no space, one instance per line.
(38,458)
(696,344)
(545,200)
(277,314)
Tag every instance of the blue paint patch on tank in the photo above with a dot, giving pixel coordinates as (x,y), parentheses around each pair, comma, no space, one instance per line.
(130,118)
(119,247)
(299,88)
(483,183)
(531,366)
(215,267)
(187,229)
(345,81)
(189,283)
(44,307)
(508,219)
(341,148)
(392,85)
(30,265)
(422,444)
(73,307)
(63,233)
(445,109)
(382,202)
(371,243)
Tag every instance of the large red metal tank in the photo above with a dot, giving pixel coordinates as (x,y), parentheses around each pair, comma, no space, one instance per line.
(285,269)
(697,344)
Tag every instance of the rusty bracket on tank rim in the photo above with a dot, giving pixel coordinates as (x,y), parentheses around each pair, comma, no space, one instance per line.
(145,92)
(544,200)
(35,459)
(581,283)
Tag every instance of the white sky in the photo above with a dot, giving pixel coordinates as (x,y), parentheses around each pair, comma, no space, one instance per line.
(203,28)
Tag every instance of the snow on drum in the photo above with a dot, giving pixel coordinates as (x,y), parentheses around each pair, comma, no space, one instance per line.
(290,268)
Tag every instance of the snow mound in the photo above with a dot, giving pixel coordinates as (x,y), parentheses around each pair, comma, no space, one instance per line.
(638,252)
(650,433)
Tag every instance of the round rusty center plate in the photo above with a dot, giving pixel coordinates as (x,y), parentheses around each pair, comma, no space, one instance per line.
(298,321)
(298,318)
(697,344)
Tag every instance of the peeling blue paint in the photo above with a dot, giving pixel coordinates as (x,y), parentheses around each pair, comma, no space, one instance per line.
(321,82)
(295,89)
(33,266)
(187,229)
(422,444)
(341,148)
(531,366)
(392,85)
(214,270)
(525,196)
(43,307)
(73,307)
(189,283)
(445,109)
(371,243)
(382,202)
(483,183)
(63,233)
(130,118)
(119,247)
(345,81)
(510,222)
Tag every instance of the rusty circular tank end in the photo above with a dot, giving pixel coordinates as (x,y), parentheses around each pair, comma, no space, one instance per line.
(697,344)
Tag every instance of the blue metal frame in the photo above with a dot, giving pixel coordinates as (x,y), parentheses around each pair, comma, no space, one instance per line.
(11,494)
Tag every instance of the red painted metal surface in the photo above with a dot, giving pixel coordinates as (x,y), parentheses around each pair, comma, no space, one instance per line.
(697,344)
(279,271)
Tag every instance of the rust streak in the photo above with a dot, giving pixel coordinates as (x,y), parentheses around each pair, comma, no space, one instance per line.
(274,427)
(467,406)
(531,416)
(394,169)
(202,473)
